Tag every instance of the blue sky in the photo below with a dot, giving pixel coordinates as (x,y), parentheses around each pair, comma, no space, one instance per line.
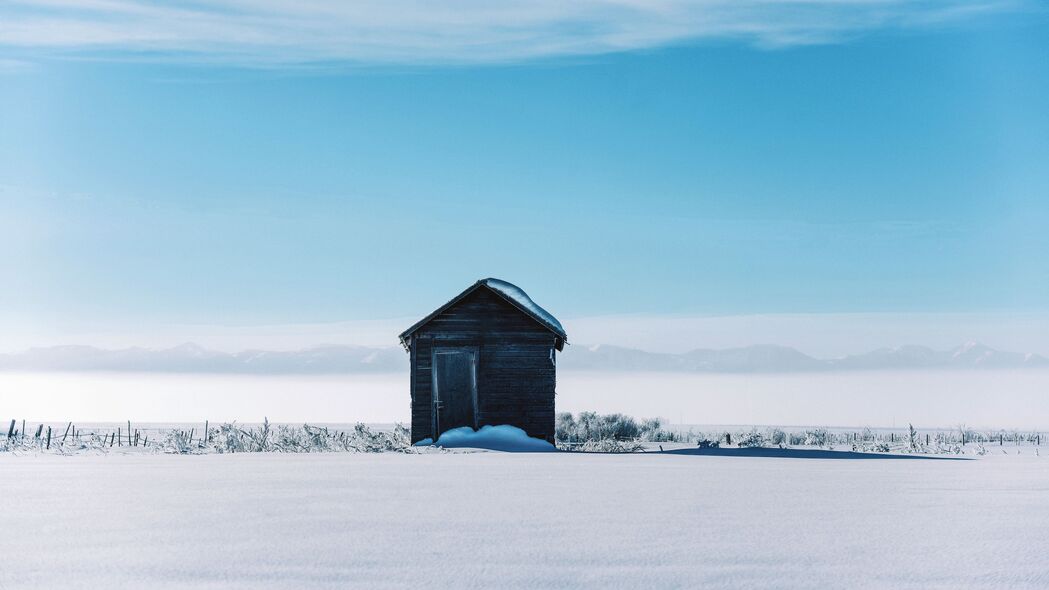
(780,163)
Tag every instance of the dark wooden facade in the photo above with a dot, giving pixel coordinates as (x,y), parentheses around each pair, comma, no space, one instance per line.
(487,357)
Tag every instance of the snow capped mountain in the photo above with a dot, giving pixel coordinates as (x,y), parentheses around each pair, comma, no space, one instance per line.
(976,354)
(762,358)
(604,357)
(896,357)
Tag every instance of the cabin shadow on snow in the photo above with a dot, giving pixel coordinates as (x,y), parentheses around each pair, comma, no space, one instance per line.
(799,454)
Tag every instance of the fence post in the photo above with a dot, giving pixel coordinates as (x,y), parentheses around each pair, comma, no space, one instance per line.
(11,429)
(49,438)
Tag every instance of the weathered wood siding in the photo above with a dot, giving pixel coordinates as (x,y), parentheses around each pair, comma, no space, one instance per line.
(516,376)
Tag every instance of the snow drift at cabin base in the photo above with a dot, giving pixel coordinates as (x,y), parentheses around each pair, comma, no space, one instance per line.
(496,438)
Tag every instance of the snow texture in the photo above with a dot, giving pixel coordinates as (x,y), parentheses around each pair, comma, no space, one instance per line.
(495,438)
(528,520)
(518,296)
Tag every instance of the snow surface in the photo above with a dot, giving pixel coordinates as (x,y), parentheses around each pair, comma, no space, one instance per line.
(508,520)
(517,294)
(502,437)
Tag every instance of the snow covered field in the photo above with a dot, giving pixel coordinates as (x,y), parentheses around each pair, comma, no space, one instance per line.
(561,520)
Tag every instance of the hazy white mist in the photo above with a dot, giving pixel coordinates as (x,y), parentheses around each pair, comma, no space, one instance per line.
(990,399)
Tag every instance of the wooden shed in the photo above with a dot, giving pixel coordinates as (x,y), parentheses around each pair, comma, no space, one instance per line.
(486,357)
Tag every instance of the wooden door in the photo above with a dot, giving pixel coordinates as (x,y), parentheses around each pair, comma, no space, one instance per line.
(455,388)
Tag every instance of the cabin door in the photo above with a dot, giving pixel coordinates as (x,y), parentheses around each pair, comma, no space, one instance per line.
(455,388)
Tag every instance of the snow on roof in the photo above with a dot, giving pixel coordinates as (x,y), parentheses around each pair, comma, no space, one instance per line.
(517,295)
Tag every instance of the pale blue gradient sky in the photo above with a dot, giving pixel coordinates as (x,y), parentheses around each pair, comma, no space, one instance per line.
(846,166)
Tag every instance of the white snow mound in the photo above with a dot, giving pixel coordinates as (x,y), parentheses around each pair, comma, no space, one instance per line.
(497,438)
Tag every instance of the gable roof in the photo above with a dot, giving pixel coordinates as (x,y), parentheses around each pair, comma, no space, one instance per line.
(509,292)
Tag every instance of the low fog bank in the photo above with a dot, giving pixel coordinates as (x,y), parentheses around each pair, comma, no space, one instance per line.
(989,398)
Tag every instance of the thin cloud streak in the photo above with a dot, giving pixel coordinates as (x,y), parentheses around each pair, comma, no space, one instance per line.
(276,32)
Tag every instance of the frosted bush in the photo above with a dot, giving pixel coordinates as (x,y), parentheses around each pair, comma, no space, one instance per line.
(877,447)
(177,441)
(230,439)
(292,440)
(751,439)
(706,443)
(913,443)
(594,427)
(817,438)
(776,437)
(602,446)
(364,440)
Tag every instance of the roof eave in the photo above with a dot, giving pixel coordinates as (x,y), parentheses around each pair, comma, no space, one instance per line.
(407,333)
(405,336)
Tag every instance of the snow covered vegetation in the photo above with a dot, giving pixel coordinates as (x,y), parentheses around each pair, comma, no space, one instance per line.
(583,432)
(618,433)
(608,433)
(226,438)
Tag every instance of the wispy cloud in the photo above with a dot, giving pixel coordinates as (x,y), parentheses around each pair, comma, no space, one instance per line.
(270,32)
(13,65)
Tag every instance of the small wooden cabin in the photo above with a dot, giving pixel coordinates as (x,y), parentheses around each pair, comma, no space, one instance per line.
(487,357)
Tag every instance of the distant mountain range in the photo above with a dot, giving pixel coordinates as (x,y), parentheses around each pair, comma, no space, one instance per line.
(190,358)
(764,358)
